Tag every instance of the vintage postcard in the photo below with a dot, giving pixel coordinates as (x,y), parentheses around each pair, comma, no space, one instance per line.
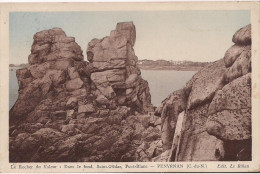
(130,87)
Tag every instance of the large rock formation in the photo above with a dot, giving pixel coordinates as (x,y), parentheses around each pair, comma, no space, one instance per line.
(114,70)
(72,110)
(217,105)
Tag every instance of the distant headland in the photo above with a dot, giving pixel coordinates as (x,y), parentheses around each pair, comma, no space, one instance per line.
(185,65)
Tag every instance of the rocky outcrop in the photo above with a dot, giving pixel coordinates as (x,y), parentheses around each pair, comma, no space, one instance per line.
(217,106)
(52,55)
(114,70)
(72,110)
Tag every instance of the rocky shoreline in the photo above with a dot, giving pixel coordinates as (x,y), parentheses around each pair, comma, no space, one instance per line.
(71,110)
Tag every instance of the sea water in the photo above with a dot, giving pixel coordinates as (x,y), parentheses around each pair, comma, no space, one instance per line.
(161,83)
(13,87)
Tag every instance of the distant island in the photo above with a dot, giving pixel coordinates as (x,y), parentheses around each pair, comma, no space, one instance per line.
(146,64)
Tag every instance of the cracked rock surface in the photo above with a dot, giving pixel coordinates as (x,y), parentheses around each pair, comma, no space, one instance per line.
(217,105)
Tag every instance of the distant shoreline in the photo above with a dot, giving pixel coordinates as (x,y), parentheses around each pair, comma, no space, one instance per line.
(170,65)
(157,68)
(15,68)
(170,68)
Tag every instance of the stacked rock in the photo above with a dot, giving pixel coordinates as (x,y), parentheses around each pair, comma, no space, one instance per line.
(71,110)
(114,70)
(55,65)
(217,105)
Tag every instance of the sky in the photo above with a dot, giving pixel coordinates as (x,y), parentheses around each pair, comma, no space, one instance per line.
(171,35)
